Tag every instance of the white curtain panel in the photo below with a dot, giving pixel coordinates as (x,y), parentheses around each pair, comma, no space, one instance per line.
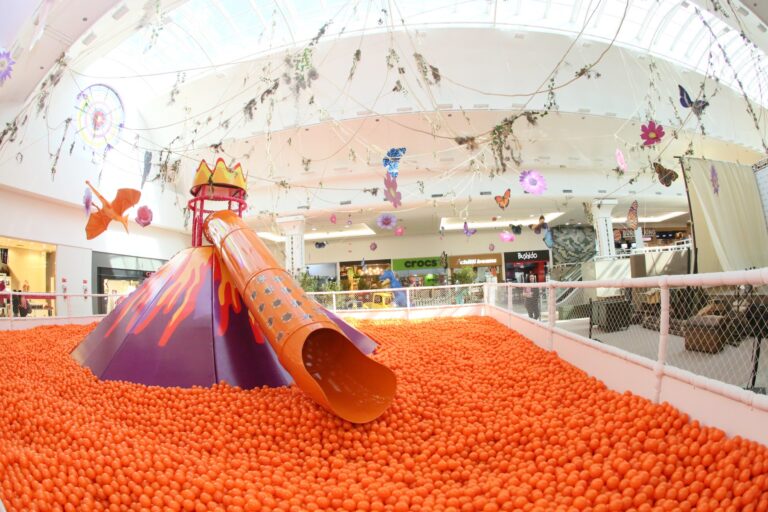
(730,229)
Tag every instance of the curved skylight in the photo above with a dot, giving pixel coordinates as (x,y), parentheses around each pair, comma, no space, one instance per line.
(202,34)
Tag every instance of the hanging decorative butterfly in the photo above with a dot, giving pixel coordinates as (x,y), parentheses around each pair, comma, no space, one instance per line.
(516,229)
(467,231)
(713,178)
(548,240)
(391,162)
(506,236)
(664,175)
(541,225)
(696,106)
(503,200)
(320,245)
(632,220)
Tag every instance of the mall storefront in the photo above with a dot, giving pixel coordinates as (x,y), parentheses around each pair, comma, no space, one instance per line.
(520,265)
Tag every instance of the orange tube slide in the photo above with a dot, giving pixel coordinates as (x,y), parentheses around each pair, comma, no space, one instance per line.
(324,363)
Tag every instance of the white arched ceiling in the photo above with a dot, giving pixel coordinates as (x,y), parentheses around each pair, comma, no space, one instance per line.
(491,55)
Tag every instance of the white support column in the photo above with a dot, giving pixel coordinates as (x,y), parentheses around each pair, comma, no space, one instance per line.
(639,242)
(601,213)
(293,229)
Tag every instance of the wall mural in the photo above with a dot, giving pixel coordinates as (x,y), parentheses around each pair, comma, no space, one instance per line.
(573,244)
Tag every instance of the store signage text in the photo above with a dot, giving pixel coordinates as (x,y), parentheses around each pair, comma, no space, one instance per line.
(416,263)
(528,256)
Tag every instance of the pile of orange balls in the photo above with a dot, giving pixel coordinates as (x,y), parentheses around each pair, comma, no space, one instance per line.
(483,421)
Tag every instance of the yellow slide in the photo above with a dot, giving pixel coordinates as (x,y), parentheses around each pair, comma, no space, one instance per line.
(324,363)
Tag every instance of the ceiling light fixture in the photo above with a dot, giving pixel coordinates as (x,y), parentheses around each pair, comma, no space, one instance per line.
(658,218)
(455,224)
(360,230)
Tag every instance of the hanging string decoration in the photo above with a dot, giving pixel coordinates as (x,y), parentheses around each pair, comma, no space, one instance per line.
(651,133)
(144,216)
(533,182)
(714,180)
(632,218)
(391,193)
(697,106)
(6,65)
(101,116)
(386,221)
(391,161)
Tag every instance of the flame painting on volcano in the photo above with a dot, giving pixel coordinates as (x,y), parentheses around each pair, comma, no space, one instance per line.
(184,326)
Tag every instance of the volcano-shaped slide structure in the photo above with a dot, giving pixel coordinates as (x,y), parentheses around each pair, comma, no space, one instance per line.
(231,313)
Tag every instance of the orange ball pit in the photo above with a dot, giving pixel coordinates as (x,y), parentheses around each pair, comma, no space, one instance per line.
(483,420)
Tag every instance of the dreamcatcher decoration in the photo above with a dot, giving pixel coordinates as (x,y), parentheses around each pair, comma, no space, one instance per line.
(100,117)
(391,161)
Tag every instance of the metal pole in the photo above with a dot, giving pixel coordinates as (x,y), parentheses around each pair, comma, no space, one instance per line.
(661,358)
(408,303)
(333,295)
(10,317)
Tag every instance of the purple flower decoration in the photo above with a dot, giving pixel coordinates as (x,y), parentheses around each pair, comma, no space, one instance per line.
(390,191)
(651,133)
(87,201)
(144,216)
(715,181)
(533,182)
(506,236)
(386,221)
(373,246)
(6,65)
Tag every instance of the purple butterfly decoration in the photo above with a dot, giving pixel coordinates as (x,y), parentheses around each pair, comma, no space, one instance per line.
(696,106)
(467,231)
(715,180)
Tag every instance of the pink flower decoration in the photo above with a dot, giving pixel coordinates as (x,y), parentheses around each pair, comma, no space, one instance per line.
(399,231)
(533,182)
(144,216)
(333,219)
(620,160)
(506,236)
(651,133)
(390,191)
(386,221)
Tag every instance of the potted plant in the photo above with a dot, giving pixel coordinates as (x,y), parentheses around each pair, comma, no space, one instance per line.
(464,275)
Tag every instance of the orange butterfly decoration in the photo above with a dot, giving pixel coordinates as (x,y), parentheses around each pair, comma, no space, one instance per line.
(100,219)
(503,201)
(632,220)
